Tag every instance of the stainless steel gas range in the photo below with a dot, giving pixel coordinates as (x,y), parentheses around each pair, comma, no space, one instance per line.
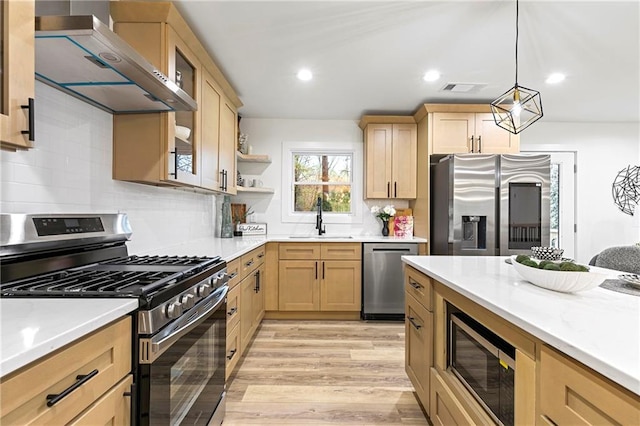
(179,329)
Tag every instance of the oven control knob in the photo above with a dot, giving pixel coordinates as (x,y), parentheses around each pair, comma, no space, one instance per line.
(204,290)
(173,310)
(214,282)
(187,301)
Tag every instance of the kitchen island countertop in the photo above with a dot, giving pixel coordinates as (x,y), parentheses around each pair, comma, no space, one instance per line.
(598,327)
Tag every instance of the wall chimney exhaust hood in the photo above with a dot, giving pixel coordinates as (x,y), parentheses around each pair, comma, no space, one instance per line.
(83,57)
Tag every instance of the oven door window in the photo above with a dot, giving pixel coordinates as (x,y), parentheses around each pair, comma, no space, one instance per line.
(187,381)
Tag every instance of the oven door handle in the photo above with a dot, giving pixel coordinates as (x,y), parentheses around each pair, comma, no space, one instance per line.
(159,344)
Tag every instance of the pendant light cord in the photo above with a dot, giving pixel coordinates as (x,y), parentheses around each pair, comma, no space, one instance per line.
(517,16)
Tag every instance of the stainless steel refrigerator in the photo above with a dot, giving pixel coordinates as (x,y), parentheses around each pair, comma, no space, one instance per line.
(486,205)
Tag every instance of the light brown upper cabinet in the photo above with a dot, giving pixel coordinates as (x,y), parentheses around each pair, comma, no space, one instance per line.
(17,86)
(390,145)
(149,148)
(464,128)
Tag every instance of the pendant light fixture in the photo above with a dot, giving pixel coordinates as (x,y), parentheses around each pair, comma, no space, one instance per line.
(519,107)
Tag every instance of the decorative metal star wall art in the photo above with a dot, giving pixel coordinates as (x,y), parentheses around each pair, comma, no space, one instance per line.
(626,189)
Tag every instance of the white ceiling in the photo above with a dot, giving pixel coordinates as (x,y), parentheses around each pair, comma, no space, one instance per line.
(369,57)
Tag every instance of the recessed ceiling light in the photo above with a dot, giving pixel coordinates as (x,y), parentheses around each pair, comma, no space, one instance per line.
(432,75)
(304,75)
(554,78)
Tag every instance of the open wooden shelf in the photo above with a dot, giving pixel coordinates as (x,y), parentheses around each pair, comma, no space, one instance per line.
(253,158)
(261,190)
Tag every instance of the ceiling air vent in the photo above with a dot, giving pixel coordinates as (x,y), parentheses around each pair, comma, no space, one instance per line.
(463,87)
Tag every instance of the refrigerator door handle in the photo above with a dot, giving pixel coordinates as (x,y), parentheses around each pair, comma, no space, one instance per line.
(479,144)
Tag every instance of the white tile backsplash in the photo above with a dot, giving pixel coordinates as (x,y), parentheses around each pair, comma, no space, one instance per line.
(69,170)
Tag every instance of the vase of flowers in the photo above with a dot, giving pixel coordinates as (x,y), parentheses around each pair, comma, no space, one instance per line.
(385,213)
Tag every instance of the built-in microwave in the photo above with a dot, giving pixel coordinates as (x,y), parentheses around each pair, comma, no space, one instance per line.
(484,363)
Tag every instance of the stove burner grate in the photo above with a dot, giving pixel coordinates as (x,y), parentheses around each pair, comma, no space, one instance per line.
(89,282)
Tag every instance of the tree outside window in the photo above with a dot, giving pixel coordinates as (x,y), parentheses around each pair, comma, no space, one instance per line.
(324,175)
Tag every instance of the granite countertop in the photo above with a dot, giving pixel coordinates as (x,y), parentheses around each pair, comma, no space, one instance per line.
(231,248)
(32,328)
(598,327)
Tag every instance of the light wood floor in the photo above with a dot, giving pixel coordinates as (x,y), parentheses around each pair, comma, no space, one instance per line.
(324,373)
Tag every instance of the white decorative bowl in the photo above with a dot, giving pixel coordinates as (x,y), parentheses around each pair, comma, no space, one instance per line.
(562,281)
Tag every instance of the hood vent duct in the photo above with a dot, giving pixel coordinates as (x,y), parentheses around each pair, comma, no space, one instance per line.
(83,57)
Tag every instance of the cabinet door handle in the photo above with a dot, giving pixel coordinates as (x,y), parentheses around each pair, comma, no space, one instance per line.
(222,180)
(31,106)
(415,285)
(257,288)
(232,353)
(316,270)
(81,379)
(323,270)
(175,163)
(414,323)
(479,143)
(232,311)
(472,143)
(388,189)
(395,189)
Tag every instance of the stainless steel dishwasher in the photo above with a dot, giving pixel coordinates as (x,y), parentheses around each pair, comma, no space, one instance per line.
(383,280)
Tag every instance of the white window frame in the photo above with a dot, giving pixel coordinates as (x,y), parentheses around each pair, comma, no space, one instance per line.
(337,148)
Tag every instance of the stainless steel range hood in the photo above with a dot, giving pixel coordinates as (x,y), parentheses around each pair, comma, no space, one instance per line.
(83,57)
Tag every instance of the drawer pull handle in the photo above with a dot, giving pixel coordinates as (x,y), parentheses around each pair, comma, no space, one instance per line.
(54,398)
(415,285)
(261,255)
(249,263)
(232,311)
(232,352)
(233,275)
(414,323)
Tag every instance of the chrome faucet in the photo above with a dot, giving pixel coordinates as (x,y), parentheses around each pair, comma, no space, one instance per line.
(319,227)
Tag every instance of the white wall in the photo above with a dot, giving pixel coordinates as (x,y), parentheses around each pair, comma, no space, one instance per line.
(603,149)
(69,170)
(266,136)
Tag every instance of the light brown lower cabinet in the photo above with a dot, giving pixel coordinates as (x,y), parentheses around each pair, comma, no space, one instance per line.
(104,357)
(326,285)
(245,303)
(317,277)
(446,409)
(234,351)
(114,408)
(251,304)
(570,394)
(418,347)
